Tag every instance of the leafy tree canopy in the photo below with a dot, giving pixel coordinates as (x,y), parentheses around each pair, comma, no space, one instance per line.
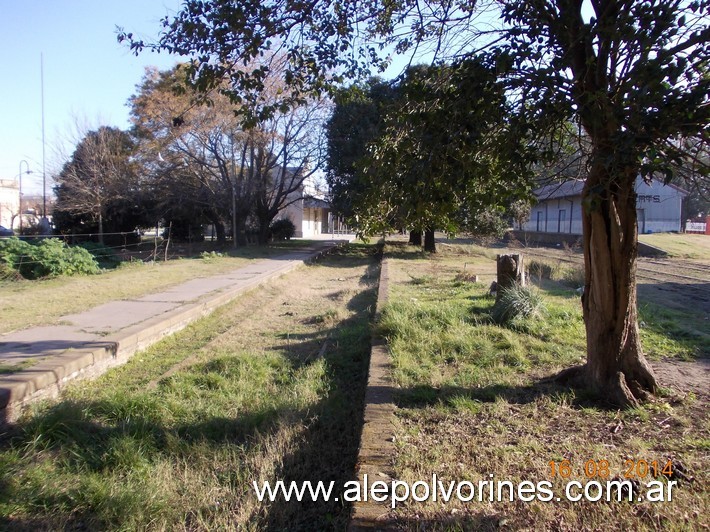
(446,150)
(632,74)
(357,120)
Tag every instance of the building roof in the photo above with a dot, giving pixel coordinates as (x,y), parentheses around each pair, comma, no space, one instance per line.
(315,203)
(565,189)
(568,189)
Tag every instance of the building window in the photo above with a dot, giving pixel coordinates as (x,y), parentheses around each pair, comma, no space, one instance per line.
(561,220)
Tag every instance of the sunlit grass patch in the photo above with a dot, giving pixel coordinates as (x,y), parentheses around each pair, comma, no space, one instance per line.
(477,401)
(672,333)
(447,336)
(174,439)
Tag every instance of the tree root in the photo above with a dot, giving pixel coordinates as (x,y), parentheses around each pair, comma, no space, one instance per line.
(574,376)
(620,394)
(619,390)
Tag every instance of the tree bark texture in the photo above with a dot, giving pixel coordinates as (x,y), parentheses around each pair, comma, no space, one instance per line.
(264,234)
(221,234)
(101,228)
(615,361)
(241,232)
(429,241)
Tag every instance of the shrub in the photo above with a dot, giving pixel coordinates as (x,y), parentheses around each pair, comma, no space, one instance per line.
(517,302)
(208,256)
(9,274)
(48,257)
(17,254)
(104,255)
(573,277)
(282,229)
(540,270)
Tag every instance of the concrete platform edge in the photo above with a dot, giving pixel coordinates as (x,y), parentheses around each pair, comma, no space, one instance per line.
(376,451)
(47,379)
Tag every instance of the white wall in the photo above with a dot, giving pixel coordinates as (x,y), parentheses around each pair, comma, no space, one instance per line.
(562,215)
(294,212)
(658,208)
(309,221)
(9,202)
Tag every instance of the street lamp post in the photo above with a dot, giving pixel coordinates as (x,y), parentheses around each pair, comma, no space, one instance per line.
(27,171)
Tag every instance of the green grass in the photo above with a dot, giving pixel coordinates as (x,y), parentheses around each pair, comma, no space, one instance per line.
(687,246)
(445,337)
(173,439)
(672,333)
(12,368)
(475,399)
(68,295)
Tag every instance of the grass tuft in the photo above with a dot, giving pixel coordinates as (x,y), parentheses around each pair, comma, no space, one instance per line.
(518,303)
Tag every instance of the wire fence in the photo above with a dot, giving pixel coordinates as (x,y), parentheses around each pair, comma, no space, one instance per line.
(135,247)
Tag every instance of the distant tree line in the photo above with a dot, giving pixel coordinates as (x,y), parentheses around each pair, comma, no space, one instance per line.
(189,161)
(632,76)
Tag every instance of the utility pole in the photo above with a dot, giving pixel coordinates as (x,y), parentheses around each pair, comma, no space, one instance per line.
(27,171)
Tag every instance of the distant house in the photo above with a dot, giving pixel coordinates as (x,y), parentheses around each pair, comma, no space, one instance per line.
(9,203)
(309,211)
(559,208)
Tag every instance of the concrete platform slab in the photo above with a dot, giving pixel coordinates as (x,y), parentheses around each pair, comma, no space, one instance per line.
(40,342)
(118,315)
(90,342)
(190,291)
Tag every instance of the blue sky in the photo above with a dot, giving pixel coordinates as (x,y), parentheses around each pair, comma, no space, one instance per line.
(88,76)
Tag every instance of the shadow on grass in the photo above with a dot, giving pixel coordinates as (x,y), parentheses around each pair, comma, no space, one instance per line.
(331,441)
(78,434)
(482,242)
(405,251)
(423,396)
(450,523)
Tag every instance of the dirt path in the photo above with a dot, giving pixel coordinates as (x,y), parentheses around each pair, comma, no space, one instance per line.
(685,377)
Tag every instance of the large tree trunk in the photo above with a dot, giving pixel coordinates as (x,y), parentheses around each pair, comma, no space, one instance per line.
(429,240)
(264,232)
(101,229)
(221,233)
(415,237)
(241,235)
(615,361)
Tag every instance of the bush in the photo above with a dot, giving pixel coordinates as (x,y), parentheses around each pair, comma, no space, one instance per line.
(282,229)
(208,256)
(104,255)
(48,257)
(573,277)
(9,274)
(517,302)
(540,270)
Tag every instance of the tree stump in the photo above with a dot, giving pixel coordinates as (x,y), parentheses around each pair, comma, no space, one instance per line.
(511,272)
